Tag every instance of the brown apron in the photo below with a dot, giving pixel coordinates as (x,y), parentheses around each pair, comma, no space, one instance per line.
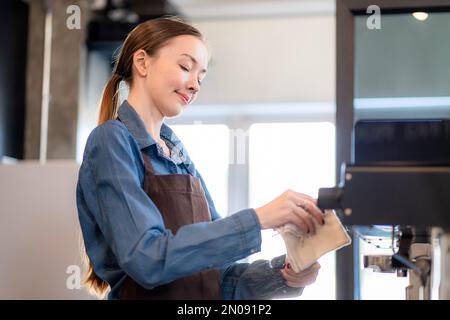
(181,200)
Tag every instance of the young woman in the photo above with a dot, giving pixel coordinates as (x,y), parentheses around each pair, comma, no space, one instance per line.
(149,225)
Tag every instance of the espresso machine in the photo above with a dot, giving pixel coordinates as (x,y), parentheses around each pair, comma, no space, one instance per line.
(398,189)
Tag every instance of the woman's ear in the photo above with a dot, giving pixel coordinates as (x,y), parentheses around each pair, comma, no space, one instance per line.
(140,63)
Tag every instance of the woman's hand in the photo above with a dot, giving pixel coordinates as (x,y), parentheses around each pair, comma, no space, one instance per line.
(290,207)
(302,278)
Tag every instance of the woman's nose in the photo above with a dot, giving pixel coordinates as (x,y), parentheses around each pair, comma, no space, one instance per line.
(193,86)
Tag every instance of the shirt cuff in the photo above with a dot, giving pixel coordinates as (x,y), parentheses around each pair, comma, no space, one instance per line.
(249,229)
(282,290)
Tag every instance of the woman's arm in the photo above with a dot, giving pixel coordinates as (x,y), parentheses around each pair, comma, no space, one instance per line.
(133,227)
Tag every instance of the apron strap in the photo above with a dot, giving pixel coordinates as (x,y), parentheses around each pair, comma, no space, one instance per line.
(147,163)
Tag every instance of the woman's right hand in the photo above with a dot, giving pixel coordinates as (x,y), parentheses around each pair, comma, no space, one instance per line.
(291,207)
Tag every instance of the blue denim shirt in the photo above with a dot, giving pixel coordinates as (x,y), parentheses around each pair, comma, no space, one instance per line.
(124,233)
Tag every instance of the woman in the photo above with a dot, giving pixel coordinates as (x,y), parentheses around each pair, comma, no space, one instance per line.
(149,225)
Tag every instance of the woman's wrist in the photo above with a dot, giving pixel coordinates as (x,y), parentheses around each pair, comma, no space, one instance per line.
(260,216)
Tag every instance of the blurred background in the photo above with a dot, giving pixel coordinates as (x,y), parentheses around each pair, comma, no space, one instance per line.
(272,76)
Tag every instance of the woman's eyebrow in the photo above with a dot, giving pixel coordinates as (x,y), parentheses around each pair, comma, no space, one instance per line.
(193,60)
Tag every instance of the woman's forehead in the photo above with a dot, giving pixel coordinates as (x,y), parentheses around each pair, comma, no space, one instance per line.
(187,47)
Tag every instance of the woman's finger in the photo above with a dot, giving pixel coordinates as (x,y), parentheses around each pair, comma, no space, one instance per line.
(315,212)
(298,221)
(298,277)
(293,195)
(302,195)
(314,268)
(310,207)
(301,284)
(305,217)
(300,280)
(308,204)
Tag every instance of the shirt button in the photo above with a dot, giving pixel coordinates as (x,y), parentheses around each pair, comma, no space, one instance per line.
(253,250)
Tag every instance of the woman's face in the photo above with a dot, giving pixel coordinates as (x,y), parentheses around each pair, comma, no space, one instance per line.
(175,74)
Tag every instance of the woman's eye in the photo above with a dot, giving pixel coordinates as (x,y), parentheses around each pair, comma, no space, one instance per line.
(184,68)
(199,82)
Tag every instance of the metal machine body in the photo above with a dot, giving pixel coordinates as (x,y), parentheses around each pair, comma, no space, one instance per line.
(398,183)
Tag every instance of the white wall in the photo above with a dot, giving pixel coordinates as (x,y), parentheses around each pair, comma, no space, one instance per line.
(286,59)
(39,231)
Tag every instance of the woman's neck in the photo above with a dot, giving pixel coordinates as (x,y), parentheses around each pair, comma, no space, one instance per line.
(149,114)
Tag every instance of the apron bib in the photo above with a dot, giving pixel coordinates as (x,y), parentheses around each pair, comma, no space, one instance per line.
(181,200)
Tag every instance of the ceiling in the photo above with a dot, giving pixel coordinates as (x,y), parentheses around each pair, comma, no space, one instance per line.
(111,20)
(214,9)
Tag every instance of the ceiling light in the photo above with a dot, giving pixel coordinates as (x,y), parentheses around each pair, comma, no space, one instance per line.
(421,16)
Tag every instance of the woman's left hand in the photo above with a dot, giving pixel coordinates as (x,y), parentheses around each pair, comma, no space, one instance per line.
(302,278)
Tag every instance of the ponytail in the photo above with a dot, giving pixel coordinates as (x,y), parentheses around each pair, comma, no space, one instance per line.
(93,283)
(109,104)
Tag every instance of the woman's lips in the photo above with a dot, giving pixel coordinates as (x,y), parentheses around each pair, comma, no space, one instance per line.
(183,97)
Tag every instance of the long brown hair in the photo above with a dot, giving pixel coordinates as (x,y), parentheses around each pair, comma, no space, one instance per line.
(150,36)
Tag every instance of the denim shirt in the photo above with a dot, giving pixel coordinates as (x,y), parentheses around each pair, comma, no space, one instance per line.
(124,233)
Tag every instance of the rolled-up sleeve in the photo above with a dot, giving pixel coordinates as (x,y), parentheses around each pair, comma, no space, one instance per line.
(133,227)
(259,280)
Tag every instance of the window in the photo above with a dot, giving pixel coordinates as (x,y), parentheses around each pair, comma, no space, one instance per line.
(207,144)
(297,156)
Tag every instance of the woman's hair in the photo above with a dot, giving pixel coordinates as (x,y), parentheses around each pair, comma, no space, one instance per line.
(150,36)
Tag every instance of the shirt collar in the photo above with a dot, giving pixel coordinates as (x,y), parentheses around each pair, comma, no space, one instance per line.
(131,119)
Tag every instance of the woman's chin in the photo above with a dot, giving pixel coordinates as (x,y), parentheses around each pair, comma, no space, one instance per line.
(174,112)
